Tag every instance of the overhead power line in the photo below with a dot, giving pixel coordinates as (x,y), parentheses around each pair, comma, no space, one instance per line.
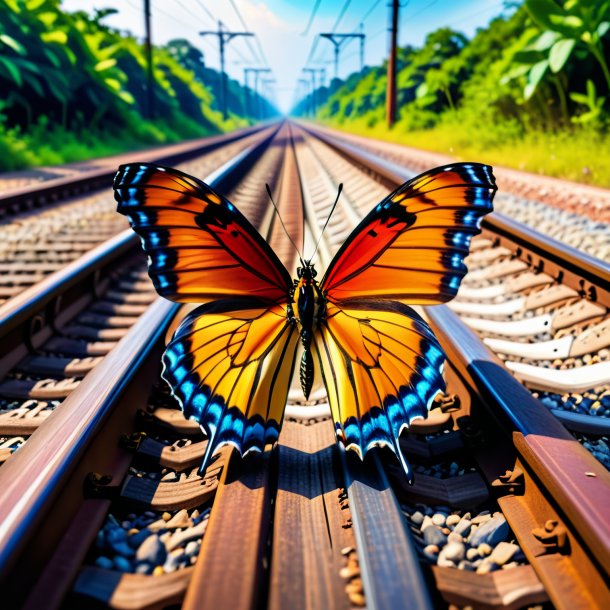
(341,15)
(316,6)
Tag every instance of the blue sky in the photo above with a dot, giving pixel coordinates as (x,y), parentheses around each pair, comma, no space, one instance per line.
(280,26)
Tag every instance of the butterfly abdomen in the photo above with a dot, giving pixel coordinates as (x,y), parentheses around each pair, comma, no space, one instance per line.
(306,372)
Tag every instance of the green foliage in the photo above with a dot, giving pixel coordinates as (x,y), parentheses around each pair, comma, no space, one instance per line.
(80,81)
(537,71)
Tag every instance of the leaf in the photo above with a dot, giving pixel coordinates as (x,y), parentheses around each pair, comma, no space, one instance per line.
(34,83)
(513,73)
(105,65)
(591,91)
(52,57)
(545,41)
(579,98)
(127,97)
(12,70)
(560,52)
(528,57)
(542,10)
(603,28)
(47,18)
(57,36)
(13,44)
(535,76)
(33,5)
(422,91)
(113,83)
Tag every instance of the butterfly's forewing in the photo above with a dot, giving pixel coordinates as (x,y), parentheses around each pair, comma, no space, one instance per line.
(411,246)
(380,361)
(200,246)
(230,365)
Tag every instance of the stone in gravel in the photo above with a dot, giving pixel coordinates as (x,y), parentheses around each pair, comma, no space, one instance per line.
(452,520)
(466,565)
(479,519)
(170,476)
(463,527)
(166,516)
(104,562)
(135,540)
(151,551)
(493,531)
(443,562)
(181,538)
(472,554)
(427,522)
(417,518)
(122,548)
(432,535)
(180,519)
(155,526)
(144,568)
(503,553)
(191,548)
(438,519)
(116,535)
(512,564)
(357,599)
(486,567)
(158,571)
(483,549)
(172,563)
(454,537)
(121,564)
(453,551)
(195,514)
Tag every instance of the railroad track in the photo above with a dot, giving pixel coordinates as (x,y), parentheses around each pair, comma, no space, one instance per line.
(46,226)
(104,505)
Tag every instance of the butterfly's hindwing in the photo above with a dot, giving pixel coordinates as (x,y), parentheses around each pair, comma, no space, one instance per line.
(382,367)
(230,364)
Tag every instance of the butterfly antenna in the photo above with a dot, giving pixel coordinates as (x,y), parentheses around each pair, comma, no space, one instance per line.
(281,221)
(327,220)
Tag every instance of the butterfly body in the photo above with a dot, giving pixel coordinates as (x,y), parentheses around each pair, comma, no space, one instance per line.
(310,305)
(230,362)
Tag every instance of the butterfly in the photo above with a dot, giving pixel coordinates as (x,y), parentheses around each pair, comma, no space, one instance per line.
(230,362)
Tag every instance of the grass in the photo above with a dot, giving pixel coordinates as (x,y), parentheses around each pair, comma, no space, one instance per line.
(53,145)
(581,155)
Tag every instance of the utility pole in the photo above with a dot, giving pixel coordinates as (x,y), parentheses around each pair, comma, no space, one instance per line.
(312,73)
(256,106)
(246,91)
(223,39)
(150,92)
(338,40)
(305,83)
(267,83)
(391,88)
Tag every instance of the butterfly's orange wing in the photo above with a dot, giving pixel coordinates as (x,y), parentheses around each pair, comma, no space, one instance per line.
(230,365)
(230,361)
(200,246)
(381,363)
(411,246)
